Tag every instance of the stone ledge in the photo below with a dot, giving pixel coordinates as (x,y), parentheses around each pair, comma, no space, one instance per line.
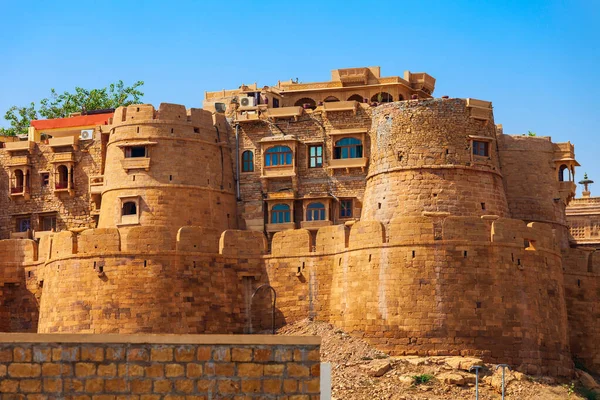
(159,339)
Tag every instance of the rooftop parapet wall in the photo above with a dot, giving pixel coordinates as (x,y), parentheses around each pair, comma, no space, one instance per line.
(166,112)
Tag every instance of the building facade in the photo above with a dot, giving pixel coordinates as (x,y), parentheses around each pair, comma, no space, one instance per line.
(412,221)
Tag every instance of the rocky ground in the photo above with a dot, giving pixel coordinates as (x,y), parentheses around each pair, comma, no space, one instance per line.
(360,372)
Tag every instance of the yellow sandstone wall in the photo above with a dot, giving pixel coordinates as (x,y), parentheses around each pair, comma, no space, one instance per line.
(156,366)
(421,160)
(189,180)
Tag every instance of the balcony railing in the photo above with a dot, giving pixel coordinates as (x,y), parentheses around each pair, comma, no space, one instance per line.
(280,227)
(72,141)
(348,163)
(136,163)
(19,146)
(16,190)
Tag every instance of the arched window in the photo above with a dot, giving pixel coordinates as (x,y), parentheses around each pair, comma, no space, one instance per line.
(129,208)
(19,182)
(400,97)
(382,97)
(562,176)
(331,99)
(356,97)
(315,212)
(62,177)
(247,161)
(277,156)
(280,213)
(306,102)
(348,148)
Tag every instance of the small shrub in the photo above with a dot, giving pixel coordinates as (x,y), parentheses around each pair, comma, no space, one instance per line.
(366,358)
(381,356)
(422,379)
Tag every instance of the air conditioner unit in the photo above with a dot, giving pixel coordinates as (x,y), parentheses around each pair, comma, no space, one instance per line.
(247,101)
(86,134)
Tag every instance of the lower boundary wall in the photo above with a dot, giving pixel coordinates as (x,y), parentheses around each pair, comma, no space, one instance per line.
(154,367)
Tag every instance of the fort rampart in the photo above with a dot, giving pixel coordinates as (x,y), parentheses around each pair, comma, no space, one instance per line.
(402,289)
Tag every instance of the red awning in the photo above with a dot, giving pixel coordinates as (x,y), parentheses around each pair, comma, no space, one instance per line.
(82,120)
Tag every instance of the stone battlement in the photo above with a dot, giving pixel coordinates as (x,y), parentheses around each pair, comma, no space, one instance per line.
(298,242)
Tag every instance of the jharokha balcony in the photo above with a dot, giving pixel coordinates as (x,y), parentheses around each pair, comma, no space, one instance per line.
(17,191)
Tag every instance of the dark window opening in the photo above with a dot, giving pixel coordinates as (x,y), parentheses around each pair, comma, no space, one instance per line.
(306,102)
(348,148)
(483,206)
(315,212)
(45,176)
(280,213)
(382,97)
(356,97)
(48,223)
(278,156)
(331,99)
(315,156)
(62,173)
(129,208)
(23,224)
(135,152)
(346,208)
(247,161)
(562,177)
(481,148)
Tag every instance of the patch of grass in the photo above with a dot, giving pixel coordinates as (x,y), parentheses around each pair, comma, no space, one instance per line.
(381,356)
(366,358)
(421,379)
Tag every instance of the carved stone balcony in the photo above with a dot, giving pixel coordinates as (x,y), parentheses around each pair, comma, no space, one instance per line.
(337,106)
(350,76)
(479,109)
(279,171)
(348,163)
(280,227)
(19,146)
(136,163)
(314,225)
(19,161)
(247,116)
(96,184)
(63,157)
(285,112)
(71,141)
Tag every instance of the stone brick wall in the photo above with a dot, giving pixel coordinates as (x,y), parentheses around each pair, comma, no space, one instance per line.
(72,212)
(419,295)
(582,288)
(189,180)
(532,183)
(422,160)
(157,367)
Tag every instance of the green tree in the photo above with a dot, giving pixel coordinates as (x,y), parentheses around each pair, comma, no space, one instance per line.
(529,133)
(19,119)
(64,104)
(113,96)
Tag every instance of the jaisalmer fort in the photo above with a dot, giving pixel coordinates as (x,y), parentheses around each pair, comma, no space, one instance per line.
(409,220)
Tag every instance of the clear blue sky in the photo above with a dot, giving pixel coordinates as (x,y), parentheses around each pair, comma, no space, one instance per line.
(537,61)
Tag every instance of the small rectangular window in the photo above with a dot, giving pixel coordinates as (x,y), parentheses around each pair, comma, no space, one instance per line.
(481,148)
(45,177)
(48,223)
(346,208)
(136,152)
(23,224)
(315,156)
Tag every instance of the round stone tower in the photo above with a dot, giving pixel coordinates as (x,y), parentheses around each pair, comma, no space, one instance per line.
(436,155)
(168,168)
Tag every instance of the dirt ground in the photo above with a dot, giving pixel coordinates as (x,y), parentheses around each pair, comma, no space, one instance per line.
(354,362)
